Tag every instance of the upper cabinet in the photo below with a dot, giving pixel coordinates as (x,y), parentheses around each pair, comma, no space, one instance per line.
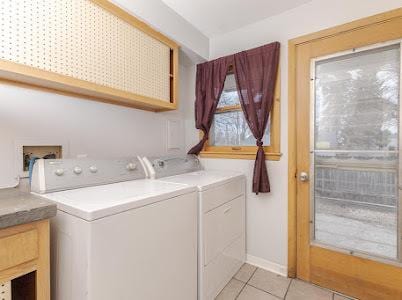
(91,48)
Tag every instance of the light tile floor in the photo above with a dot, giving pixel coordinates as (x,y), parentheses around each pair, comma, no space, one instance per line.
(252,283)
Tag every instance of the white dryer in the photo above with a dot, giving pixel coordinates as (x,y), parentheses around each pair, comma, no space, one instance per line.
(221,207)
(134,239)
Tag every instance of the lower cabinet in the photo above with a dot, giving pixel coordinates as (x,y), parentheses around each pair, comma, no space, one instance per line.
(24,262)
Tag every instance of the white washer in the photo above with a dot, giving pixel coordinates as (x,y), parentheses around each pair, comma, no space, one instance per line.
(134,239)
(221,229)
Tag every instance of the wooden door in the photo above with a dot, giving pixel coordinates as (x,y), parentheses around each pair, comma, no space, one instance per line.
(347,157)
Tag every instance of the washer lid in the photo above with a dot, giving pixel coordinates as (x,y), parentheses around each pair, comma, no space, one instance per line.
(91,203)
(204,179)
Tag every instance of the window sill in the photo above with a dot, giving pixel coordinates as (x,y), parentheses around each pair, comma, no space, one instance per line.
(239,155)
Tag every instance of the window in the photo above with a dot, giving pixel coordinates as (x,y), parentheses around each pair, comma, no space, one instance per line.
(230,135)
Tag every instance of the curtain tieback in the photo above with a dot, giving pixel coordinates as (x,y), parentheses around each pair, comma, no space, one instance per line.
(259,143)
(204,137)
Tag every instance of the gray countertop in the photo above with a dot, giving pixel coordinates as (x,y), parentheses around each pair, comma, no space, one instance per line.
(19,206)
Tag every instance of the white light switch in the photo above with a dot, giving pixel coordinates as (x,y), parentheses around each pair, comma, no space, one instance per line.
(173,134)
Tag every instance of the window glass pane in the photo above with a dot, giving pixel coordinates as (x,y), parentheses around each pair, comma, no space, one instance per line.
(229,94)
(356,151)
(231,129)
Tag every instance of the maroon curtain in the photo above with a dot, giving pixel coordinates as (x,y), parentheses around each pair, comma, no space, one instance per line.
(209,85)
(255,72)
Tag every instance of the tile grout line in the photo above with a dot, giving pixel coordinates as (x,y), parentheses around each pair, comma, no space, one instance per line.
(245,283)
(287,290)
(257,288)
(333,293)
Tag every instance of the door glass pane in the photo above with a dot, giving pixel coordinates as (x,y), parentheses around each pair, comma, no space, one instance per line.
(356,144)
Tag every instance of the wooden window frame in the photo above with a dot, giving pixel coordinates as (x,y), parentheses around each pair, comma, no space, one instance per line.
(272,152)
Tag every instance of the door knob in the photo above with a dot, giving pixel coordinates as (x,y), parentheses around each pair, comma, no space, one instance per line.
(303,176)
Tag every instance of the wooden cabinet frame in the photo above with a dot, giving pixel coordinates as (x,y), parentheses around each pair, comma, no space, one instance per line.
(12,72)
(26,249)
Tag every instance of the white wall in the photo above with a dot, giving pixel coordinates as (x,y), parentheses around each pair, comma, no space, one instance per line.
(87,127)
(164,19)
(267,213)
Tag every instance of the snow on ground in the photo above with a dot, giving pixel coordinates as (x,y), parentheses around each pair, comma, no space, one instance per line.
(357,227)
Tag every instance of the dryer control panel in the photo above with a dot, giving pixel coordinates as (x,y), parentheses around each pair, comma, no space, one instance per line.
(158,167)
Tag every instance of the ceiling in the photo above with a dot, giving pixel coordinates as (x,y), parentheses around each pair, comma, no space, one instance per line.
(214,17)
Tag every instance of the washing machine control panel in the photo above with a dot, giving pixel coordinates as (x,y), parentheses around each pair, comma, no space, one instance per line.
(61,174)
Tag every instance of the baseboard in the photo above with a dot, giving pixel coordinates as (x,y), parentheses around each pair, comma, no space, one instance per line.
(267,265)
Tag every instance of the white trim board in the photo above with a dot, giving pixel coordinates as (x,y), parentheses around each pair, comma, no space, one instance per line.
(267,265)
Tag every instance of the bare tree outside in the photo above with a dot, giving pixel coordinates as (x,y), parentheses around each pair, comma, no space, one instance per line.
(230,128)
(356,151)
(358,107)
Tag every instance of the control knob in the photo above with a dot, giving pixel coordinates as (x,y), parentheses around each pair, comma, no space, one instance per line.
(131,166)
(93,169)
(77,170)
(59,172)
